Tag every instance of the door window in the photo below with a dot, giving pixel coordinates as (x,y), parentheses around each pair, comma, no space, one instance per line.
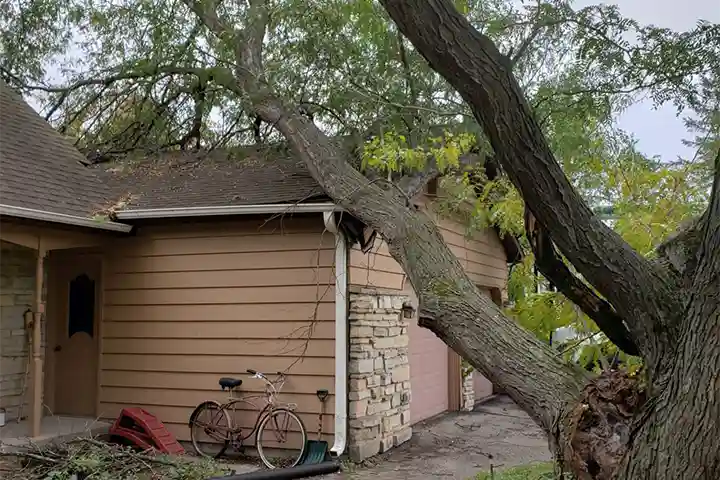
(81,306)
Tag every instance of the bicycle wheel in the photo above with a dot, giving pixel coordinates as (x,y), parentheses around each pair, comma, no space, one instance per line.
(281,439)
(210,429)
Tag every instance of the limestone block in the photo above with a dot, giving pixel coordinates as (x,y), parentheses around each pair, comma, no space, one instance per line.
(365,449)
(402,436)
(401,373)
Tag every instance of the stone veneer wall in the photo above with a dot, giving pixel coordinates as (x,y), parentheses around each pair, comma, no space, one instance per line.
(17,290)
(379,370)
(468,392)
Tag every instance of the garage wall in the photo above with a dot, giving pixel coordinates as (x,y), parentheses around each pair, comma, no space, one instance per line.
(428,372)
(481,253)
(185,304)
(375,268)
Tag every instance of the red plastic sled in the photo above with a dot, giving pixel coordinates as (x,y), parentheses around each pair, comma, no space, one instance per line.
(144,430)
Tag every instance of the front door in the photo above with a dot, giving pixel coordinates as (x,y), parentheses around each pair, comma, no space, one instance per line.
(74,338)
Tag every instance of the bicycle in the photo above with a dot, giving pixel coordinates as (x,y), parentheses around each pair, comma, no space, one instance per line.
(222,429)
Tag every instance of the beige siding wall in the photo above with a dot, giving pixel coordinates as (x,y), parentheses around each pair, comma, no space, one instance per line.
(187,304)
(375,268)
(481,253)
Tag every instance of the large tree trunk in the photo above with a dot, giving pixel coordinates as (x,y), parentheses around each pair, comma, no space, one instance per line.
(674,433)
(589,424)
(680,435)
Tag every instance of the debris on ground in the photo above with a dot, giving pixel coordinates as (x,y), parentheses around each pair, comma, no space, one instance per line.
(93,459)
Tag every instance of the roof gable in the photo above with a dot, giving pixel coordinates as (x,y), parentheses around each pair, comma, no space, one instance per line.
(39,168)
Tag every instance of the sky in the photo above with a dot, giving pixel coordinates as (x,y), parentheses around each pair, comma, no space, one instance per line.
(660,132)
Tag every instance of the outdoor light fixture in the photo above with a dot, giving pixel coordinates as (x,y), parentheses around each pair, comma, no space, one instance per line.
(408,310)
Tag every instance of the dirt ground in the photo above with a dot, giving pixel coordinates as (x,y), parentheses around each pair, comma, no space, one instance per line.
(453,447)
(457,446)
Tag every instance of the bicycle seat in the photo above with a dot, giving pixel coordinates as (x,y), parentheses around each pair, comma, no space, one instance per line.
(229,383)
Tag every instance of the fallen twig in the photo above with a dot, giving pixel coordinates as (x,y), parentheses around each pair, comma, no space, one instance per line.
(90,458)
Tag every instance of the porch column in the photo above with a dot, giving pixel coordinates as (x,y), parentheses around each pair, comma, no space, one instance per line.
(37,363)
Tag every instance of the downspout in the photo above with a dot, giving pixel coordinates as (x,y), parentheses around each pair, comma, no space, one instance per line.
(341,335)
(37,360)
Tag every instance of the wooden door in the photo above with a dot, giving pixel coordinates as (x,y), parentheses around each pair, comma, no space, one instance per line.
(74,348)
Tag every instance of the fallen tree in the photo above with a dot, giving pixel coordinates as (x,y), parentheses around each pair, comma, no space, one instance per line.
(598,429)
(660,425)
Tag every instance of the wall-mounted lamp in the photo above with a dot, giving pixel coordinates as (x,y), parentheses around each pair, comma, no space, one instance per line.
(28,318)
(408,310)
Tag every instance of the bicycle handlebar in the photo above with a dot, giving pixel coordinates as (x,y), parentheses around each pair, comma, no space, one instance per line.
(262,375)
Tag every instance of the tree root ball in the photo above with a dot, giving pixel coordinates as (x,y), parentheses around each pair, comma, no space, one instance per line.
(600,425)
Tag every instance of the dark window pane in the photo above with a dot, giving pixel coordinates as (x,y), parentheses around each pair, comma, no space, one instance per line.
(81,306)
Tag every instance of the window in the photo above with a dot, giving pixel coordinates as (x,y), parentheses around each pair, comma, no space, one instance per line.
(81,306)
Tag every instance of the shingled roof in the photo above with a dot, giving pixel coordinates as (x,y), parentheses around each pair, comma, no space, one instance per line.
(179,179)
(39,168)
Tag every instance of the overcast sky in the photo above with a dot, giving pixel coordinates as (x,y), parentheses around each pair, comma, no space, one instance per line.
(660,132)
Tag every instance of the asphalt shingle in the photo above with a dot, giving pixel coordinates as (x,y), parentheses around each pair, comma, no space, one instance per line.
(176,179)
(39,168)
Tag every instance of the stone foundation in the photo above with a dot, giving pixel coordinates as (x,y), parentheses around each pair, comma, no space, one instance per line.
(17,291)
(468,391)
(379,371)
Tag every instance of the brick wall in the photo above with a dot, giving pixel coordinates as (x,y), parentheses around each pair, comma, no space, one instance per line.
(379,369)
(17,287)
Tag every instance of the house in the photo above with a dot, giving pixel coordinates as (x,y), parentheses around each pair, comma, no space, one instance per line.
(211,265)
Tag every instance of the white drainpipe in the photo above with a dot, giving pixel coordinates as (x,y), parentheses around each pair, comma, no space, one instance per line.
(341,335)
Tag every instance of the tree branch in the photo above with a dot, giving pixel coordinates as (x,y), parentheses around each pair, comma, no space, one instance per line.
(474,66)
(553,268)
(412,184)
(679,252)
(462,317)
(515,57)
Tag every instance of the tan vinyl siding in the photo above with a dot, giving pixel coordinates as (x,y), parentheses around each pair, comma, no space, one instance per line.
(481,254)
(188,303)
(375,268)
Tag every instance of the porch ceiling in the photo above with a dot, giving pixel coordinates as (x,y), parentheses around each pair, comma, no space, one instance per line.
(48,236)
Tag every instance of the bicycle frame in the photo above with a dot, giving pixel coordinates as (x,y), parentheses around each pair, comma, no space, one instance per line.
(272,389)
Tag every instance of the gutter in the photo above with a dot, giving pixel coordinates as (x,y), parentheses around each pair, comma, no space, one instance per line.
(282,208)
(32,214)
(341,335)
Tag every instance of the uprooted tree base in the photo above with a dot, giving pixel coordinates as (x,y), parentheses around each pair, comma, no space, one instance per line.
(600,424)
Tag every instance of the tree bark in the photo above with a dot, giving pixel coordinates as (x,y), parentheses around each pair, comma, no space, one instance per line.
(679,435)
(639,290)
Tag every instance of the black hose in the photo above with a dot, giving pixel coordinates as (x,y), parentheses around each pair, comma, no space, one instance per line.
(301,471)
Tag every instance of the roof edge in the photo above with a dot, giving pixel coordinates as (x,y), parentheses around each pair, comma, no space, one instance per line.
(32,214)
(225,210)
